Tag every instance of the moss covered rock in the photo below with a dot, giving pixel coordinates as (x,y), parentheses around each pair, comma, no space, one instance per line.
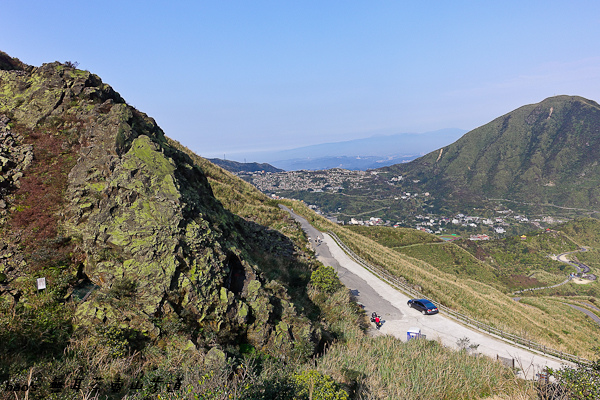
(144,213)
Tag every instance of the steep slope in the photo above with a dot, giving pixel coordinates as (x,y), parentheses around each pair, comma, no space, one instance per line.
(125,226)
(151,252)
(540,153)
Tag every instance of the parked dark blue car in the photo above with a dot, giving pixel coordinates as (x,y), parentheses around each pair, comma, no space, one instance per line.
(423,305)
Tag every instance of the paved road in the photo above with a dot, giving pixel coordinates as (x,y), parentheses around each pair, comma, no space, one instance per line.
(378,296)
(587,312)
(591,306)
(563,258)
(581,268)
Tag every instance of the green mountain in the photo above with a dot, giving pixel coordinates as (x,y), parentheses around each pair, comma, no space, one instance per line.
(131,267)
(545,153)
(234,166)
(124,226)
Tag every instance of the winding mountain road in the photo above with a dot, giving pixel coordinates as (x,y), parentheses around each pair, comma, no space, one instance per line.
(586,312)
(378,296)
(581,268)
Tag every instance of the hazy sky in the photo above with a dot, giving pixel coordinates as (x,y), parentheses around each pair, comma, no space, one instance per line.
(235,76)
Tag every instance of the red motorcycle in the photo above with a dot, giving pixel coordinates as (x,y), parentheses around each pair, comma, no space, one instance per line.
(377,320)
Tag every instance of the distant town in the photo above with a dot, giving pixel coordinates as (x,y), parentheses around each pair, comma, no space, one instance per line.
(316,181)
(303,184)
(439,224)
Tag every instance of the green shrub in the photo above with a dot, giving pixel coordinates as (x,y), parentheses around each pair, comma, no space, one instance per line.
(122,288)
(119,341)
(313,385)
(581,382)
(325,279)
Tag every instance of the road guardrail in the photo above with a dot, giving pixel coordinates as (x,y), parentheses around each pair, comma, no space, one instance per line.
(407,289)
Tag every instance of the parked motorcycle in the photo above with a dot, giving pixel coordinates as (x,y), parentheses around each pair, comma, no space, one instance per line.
(376,319)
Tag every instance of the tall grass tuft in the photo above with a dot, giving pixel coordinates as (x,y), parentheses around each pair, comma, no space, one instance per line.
(386,368)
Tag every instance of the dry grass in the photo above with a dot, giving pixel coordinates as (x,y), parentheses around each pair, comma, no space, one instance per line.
(386,368)
(478,300)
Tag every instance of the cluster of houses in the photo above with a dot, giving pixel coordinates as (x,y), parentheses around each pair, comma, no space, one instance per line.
(408,196)
(339,180)
(373,221)
(312,181)
(498,225)
(437,225)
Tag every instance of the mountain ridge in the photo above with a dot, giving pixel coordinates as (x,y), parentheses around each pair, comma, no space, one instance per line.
(546,152)
(234,166)
(359,154)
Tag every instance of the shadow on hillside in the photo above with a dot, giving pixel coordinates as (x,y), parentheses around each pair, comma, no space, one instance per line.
(271,253)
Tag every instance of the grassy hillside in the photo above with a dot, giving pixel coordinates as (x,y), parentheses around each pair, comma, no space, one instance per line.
(450,258)
(523,263)
(167,275)
(141,261)
(543,153)
(395,237)
(446,257)
(234,166)
(508,264)
(516,259)
(477,299)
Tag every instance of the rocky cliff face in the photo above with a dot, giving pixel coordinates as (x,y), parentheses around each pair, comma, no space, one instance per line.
(130,214)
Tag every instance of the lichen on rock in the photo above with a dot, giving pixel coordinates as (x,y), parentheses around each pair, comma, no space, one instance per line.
(144,212)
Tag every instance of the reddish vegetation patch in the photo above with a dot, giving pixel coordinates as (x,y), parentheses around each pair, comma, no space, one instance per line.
(521,282)
(481,254)
(478,251)
(41,196)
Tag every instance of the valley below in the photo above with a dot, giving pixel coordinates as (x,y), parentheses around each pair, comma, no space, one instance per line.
(131,267)
(378,296)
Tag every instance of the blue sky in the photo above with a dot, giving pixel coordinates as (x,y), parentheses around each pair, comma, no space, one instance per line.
(231,77)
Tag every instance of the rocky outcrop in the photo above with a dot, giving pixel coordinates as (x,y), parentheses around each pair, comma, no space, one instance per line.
(15,157)
(155,240)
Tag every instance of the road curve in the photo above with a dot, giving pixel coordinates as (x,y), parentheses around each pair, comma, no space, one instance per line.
(581,268)
(586,312)
(378,296)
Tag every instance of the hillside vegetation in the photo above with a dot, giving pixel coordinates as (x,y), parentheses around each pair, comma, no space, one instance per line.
(395,237)
(234,166)
(539,154)
(138,254)
(539,160)
(509,264)
(486,302)
(167,275)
